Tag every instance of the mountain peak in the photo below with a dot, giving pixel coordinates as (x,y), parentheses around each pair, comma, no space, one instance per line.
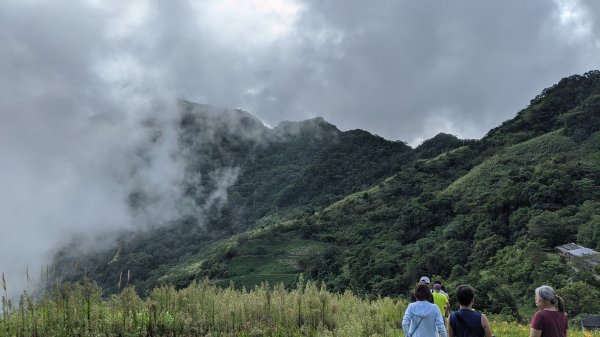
(439,144)
(314,126)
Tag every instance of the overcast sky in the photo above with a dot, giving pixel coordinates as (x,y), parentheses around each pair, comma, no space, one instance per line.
(80,81)
(405,70)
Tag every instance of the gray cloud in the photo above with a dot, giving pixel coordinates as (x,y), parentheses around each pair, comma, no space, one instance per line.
(407,70)
(404,70)
(82,79)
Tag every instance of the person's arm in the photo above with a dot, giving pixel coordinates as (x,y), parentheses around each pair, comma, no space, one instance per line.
(537,322)
(535,333)
(446,309)
(450,329)
(439,322)
(485,323)
(406,320)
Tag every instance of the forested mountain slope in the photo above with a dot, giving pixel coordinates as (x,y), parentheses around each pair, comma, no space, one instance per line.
(359,212)
(484,212)
(292,169)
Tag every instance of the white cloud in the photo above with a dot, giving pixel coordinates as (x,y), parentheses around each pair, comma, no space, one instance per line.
(574,23)
(237,23)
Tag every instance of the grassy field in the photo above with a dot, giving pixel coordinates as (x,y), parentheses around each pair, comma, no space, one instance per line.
(203,309)
(511,329)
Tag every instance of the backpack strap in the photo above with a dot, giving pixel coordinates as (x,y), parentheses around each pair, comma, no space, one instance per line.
(416,326)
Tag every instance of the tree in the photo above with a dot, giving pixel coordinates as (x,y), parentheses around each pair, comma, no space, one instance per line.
(580,298)
(550,229)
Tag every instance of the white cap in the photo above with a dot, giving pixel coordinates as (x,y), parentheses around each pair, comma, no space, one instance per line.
(424,279)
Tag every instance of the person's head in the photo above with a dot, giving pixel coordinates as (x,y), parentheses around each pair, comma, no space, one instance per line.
(465,294)
(424,280)
(545,297)
(437,287)
(422,292)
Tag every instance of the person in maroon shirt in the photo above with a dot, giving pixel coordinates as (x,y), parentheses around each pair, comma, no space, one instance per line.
(551,319)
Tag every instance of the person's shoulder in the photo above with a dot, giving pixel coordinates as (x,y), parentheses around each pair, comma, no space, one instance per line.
(416,304)
(538,316)
(550,313)
(558,313)
(440,296)
(431,305)
(410,307)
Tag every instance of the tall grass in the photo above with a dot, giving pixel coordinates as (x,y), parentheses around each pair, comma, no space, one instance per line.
(203,309)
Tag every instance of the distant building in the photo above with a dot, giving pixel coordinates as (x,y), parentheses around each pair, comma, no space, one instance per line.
(572,250)
(590,323)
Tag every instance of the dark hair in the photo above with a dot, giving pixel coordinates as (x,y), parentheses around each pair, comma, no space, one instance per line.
(438,282)
(422,292)
(465,294)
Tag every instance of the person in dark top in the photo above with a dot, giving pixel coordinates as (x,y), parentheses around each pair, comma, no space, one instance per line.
(467,322)
(551,319)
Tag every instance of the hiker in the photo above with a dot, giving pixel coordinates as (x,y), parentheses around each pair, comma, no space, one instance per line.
(422,318)
(551,319)
(423,280)
(467,322)
(442,288)
(441,300)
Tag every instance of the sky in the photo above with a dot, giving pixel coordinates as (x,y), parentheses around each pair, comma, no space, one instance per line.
(87,83)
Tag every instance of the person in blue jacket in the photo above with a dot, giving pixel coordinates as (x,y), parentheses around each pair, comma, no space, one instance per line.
(422,318)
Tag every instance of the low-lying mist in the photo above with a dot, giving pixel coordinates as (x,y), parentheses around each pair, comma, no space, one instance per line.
(80,181)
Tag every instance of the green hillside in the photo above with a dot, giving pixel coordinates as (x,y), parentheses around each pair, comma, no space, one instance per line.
(362,213)
(290,170)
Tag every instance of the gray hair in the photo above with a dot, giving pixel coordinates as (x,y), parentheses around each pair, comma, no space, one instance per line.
(546,293)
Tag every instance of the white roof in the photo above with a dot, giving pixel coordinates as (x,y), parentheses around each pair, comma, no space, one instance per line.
(576,250)
(582,251)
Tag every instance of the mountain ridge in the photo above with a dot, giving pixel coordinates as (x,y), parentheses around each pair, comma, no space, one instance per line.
(361,213)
